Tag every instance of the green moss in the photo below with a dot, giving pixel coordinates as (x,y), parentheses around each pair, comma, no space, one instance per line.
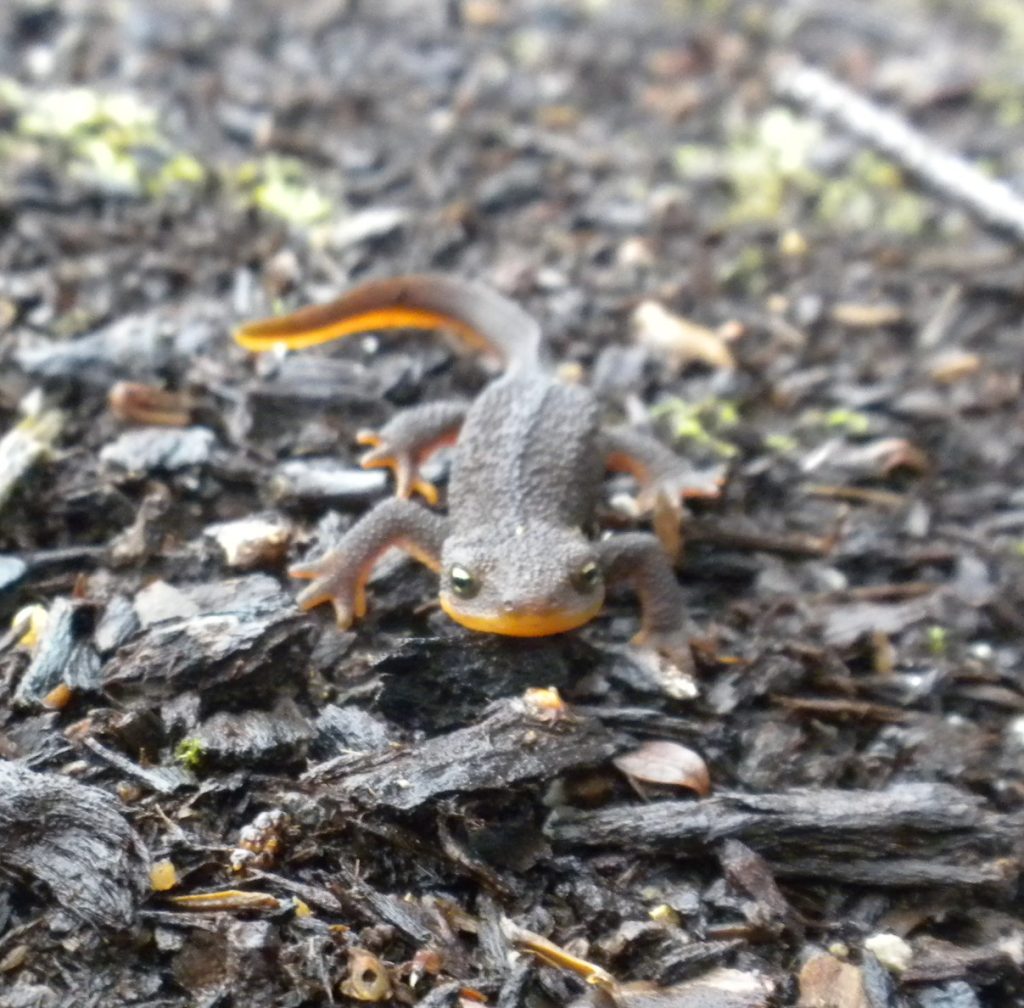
(700,423)
(938,640)
(281,187)
(846,420)
(1008,17)
(872,195)
(768,170)
(108,140)
(747,271)
(781,444)
(181,170)
(1002,85)
(189,752)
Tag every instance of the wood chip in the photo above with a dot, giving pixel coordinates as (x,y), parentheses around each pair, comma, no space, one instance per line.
(677,340)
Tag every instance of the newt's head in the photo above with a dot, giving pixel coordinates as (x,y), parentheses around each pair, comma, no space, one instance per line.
(527,581)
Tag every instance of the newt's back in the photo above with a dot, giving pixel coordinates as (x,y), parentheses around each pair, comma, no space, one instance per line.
(527,453)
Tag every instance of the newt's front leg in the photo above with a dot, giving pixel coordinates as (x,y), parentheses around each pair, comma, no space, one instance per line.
(340,576)
(638,559)
(665,479)
(657,469)
(405,442)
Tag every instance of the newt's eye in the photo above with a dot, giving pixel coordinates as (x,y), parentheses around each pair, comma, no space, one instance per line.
(587,578)
(463,583)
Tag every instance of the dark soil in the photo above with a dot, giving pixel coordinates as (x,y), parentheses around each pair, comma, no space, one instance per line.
(395,814)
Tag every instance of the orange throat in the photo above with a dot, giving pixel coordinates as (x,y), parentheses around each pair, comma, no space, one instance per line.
(513,624)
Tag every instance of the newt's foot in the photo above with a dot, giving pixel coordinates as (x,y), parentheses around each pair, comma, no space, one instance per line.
(671,644)
(336,580)
(388,454)
(681,482)
(663,497)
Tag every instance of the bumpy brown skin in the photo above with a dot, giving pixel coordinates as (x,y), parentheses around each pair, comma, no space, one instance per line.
(528,460)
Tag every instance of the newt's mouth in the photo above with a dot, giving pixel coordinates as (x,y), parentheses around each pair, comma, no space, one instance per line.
(523,624)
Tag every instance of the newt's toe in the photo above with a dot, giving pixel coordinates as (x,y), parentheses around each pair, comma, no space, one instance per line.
(378,458)
(672,644)
(309,571)
(427,491)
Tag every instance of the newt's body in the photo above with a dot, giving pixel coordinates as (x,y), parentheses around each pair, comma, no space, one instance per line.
(528,460)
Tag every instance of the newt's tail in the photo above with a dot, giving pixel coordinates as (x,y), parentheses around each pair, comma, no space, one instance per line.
(486,320)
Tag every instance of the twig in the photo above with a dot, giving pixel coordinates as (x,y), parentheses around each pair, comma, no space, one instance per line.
(948,174)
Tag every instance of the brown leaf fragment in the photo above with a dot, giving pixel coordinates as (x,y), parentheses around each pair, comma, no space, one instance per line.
(827,982)
(953,365)
(660,762)
(677,340)
(147,404)
(73,838)
(855,315)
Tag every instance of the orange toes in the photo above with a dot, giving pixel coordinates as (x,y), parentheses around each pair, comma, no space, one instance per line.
(427,491)
(368,437)
(313,596)
(377,459)
(304,572)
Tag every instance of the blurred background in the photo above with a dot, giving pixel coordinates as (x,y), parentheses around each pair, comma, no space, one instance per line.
(213,154)
(766,292)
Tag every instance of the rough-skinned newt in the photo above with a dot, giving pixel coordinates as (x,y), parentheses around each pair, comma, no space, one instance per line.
(529,456)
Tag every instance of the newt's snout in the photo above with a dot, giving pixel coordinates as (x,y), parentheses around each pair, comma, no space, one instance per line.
(533,583)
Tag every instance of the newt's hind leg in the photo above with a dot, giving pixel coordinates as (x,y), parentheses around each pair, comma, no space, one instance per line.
(405,442)
(340,576)
(665,479)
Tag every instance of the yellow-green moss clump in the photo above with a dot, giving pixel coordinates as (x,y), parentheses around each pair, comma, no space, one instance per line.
(701,424)
(768,169)
(110,141)
(282,187)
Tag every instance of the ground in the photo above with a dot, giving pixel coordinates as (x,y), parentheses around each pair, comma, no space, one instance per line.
(403,820)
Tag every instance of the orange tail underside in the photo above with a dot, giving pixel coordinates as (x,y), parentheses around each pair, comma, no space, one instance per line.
(313,326)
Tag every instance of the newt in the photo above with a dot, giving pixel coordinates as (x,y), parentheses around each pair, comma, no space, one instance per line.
(529,455)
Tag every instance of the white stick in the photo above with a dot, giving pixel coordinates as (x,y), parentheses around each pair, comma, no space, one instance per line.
(948,174)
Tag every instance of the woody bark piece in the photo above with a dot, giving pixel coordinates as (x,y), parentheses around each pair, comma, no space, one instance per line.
(879,837)
(509,746)
(72,838)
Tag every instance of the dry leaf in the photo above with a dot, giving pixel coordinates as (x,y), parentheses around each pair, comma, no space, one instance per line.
(827,982)
(666,763)
(866,316)
(953,365)
(677,340)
